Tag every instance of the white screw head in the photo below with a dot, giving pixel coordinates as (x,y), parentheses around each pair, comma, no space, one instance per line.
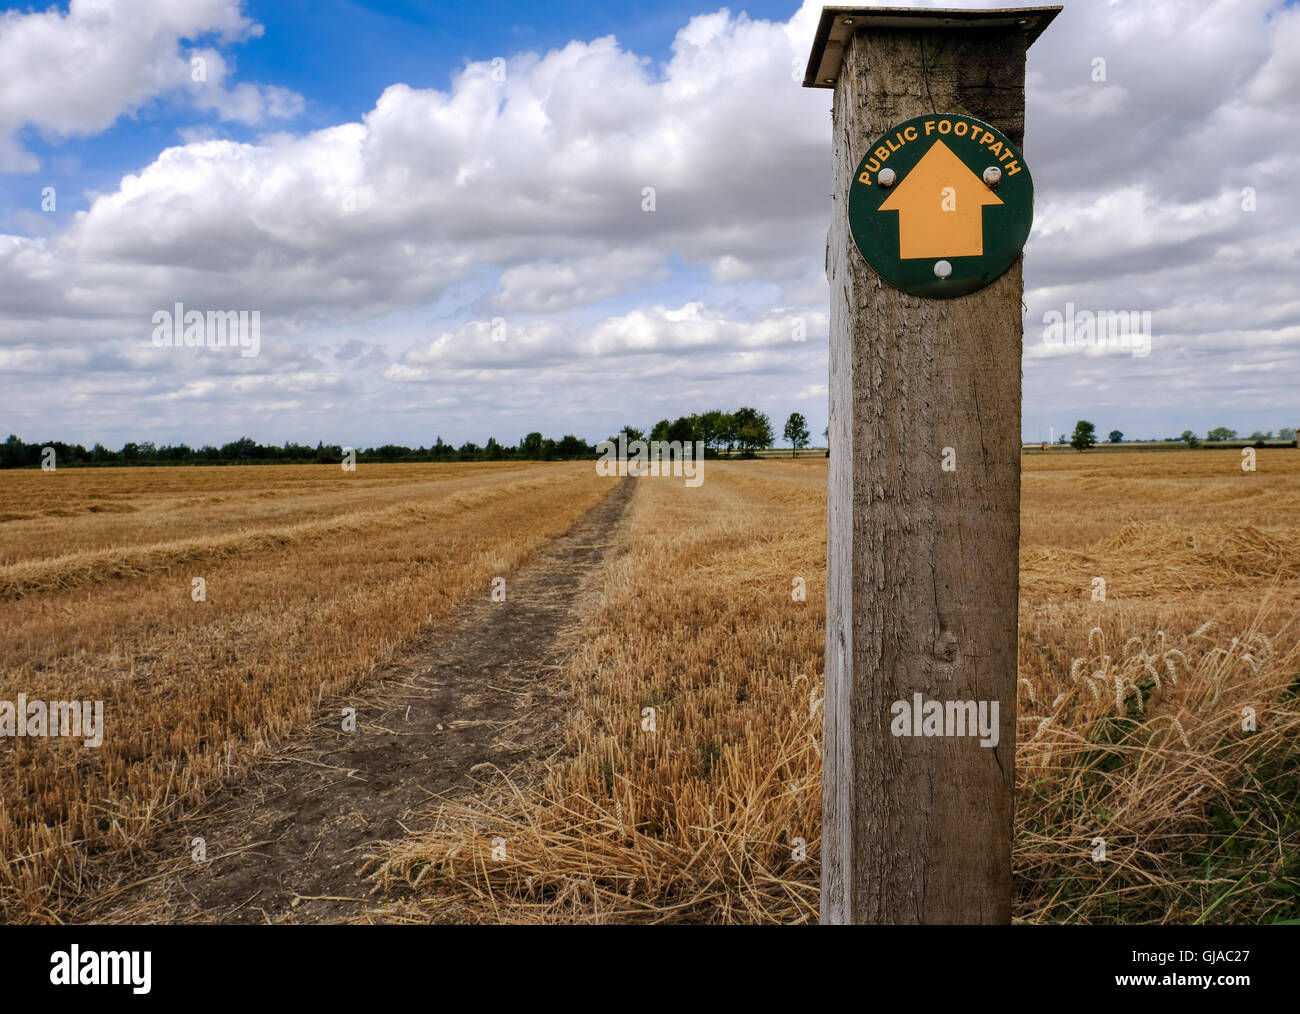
(992,176)
(942,269)
(886,178)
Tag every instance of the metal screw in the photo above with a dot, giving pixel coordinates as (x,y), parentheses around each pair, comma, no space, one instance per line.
(829,80)
(992,176)
(886,178)
(942,269)
(848,21)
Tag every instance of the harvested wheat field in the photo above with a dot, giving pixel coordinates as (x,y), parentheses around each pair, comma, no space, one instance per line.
(1130,726)
(661,711)
(313,578)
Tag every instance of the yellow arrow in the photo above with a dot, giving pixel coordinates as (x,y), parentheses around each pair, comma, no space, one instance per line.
(940,206)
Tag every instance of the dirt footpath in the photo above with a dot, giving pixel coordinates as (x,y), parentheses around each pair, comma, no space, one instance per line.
(284,844)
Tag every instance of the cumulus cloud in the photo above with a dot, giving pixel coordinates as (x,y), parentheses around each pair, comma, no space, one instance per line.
(542,176)
(76,73)
(650,331)
(549,285)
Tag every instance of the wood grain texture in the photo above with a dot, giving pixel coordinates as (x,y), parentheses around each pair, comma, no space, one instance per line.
(922,579)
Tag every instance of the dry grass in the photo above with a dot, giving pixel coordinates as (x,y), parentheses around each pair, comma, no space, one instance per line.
(1201,820)
(1130,731)
(1145,750)
(314,578)
(695,820)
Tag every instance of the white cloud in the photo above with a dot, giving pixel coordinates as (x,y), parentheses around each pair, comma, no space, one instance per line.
(548,285)
(76,73)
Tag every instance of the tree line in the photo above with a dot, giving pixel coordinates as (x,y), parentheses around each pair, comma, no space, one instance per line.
(15,453)
(741,432)
(744,431)
(1085,436)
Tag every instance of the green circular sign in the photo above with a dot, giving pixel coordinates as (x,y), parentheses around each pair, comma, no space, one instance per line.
(941,205)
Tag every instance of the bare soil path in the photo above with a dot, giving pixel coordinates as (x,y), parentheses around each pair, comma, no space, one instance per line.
(284,843)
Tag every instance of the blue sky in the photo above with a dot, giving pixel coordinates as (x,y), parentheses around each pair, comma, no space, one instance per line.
(394,185)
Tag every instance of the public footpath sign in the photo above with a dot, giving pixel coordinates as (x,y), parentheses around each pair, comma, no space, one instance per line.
(941,205)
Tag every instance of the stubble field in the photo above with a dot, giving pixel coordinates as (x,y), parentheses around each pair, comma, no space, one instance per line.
(681,780)
(313,578)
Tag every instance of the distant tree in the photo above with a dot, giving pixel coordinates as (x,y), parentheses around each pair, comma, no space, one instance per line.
(1062,439)
(243,449)
(753,429)
(633,433)
(1257,435)
(709,426)
(1221,433)
(727,432)
(660,430)
(685,429)
(65,454)
(570,447)
(1286,433)
(1116,437)
(13,452)
(531,446)
(388,452)
(1085,435)
(796,432)
(1190,439)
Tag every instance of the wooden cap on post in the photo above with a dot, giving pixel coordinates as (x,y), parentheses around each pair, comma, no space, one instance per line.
(838,24)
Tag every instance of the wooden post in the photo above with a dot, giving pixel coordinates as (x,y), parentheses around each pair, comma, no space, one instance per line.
(922,560)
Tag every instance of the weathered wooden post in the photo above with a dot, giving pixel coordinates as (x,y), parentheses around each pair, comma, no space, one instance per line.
(932,204)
